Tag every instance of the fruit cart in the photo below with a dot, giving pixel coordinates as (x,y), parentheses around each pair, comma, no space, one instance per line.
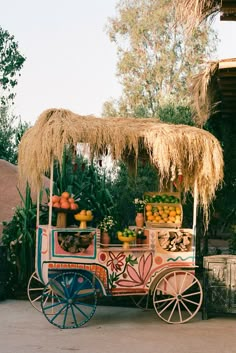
(73,268)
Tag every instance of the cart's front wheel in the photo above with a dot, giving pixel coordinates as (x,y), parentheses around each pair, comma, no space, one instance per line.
(177,297)
(34,291)
(74,300)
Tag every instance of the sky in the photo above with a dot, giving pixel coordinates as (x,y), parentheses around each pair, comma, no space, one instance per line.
(70,61)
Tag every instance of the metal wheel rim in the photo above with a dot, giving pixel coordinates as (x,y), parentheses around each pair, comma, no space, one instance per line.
(74,300)
(182,300)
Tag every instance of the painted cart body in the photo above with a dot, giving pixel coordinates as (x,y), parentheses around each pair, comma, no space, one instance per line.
(139,271)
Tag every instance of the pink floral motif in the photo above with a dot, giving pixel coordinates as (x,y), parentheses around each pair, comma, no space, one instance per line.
(137,278)
(116,262)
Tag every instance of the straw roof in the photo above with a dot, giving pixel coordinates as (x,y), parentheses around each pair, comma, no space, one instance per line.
(213,90)
(170,147)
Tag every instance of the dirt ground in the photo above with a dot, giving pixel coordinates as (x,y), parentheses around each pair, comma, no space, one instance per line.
(112,329)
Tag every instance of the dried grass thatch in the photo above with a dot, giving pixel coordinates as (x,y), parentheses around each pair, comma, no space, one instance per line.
(193,12)
(205,93)
(170,147)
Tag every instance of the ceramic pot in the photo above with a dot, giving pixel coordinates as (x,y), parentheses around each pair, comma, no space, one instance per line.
(139,220)
(105,239)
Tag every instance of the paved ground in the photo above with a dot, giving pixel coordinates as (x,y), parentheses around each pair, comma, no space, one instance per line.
(112,329)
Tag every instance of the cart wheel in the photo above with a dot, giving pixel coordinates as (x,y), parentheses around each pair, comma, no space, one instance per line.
(177,297)
(34,291)
(74,300)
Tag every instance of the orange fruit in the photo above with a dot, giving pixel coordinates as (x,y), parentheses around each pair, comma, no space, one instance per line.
(65,195)
(150,218)
(89,213)
(71,200)
(148,213)
(73,206)
(65,205)
(172,213)
(55,198)
(56,204)
(148,207)
(83,212)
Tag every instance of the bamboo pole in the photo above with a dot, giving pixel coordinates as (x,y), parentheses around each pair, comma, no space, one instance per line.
(51,189)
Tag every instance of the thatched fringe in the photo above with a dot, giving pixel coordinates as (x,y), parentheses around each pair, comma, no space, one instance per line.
(192,13)
(169,147)
(204,92)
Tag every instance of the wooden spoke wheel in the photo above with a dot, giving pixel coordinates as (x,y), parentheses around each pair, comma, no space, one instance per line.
(72,298)
(34,291)
(177,297)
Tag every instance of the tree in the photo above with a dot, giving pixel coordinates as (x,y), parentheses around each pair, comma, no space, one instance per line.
(11,131)
(11,62)
(155,56)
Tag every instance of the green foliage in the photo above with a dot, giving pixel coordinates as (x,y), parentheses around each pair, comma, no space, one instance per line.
(126,188)
(171,113)
(19,237)
(89,184)
(11,62)
(155,56)
(11,131)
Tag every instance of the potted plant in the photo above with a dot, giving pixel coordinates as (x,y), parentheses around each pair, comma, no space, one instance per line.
(106,226)
(139,205)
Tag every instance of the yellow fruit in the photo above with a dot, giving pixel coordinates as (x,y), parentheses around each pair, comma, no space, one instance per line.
(89,213)
(164,215)
(178,210)
(83,212)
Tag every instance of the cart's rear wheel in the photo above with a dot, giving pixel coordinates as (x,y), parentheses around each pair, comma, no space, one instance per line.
(177,297)
(74,300)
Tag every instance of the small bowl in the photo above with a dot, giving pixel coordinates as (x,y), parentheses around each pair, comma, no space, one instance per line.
(83,217)
(126,239)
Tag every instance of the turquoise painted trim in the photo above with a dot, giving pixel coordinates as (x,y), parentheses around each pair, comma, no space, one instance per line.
(39,258)
(180,258)
(69,255)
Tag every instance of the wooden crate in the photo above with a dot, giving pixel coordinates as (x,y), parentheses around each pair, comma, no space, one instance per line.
(164,208)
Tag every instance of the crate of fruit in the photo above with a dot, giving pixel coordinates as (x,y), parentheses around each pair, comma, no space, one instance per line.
(163,209)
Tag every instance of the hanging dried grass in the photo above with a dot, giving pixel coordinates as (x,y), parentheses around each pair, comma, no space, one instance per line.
(191,13)
(169,147)
(204,92)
